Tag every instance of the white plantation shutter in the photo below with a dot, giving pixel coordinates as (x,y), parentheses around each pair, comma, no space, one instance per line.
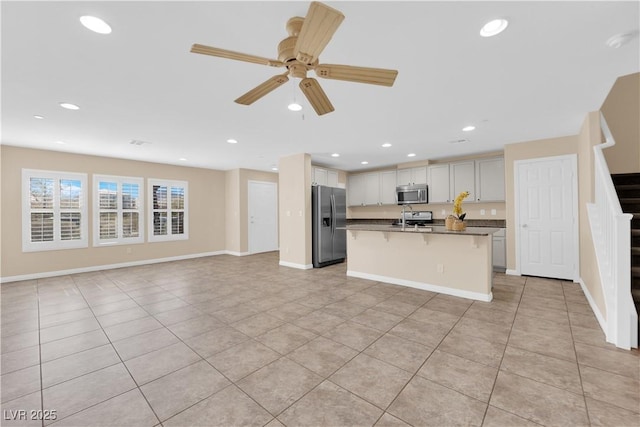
(54,210)
(168,204)
(117,210)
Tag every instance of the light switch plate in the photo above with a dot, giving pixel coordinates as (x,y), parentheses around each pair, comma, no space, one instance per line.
(494,212)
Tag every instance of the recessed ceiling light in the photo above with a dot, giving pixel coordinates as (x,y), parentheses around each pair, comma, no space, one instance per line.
(468,128)
(494,27)
(386,145)
(411,155)
(95,24)
(232,141)
(60,142)
(364,162)
(274,169)
(335,155)
(38,117)
(69,106)
(182,159)
(294,106)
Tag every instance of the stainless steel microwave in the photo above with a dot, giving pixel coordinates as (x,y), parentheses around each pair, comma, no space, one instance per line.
(412,194)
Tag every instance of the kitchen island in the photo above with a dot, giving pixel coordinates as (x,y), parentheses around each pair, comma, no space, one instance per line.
(432,258)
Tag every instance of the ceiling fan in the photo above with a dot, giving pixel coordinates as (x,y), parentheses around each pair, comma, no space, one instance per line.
(299,53)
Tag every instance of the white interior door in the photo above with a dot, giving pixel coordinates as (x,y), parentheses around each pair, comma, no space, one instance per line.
(547,217)
(263,216)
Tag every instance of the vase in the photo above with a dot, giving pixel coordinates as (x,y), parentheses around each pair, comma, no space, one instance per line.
(459,225)
(448,222)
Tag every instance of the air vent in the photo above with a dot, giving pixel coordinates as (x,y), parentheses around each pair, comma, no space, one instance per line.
(459,141)
(138,142)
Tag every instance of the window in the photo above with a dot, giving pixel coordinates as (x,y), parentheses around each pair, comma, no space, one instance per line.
(54,210)
(168,210)
(117,210)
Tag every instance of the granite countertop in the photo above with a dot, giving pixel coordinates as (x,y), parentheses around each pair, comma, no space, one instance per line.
(492,223)
(433,229)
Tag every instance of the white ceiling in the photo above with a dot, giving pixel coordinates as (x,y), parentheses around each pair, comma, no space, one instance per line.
(536,80)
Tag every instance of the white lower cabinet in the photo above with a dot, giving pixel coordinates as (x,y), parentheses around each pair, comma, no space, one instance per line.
(500,249)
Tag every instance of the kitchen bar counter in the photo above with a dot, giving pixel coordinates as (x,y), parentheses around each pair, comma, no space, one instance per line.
(432,229)
(432,258)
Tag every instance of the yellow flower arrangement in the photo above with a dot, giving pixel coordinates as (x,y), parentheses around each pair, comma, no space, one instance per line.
(457,205)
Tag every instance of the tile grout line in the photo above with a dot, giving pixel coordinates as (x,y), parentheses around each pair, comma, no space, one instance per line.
(121,361)
(40,354)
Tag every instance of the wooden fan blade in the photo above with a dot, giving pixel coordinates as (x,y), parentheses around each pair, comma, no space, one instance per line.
(316,96)
(319,26)
(261,90)
(229,54)
(374,76)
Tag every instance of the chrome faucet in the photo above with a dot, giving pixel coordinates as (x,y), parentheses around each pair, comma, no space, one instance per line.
(404,221)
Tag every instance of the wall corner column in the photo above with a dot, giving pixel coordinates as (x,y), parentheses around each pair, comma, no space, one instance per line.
(294,184)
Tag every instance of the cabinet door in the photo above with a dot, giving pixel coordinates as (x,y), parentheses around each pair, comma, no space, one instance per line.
(499,252)
(462,178)
(490,180)
(419,175)
(332,178)
(355,190)
(371,188)
(438,180)
(403,177)
(388,187)
(320,176)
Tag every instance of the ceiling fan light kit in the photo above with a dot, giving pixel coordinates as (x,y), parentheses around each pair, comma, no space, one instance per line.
(299,53)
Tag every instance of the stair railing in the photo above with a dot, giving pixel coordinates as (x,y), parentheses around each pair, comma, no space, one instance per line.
(611,231)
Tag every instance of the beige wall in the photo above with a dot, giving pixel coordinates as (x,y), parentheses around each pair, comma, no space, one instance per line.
(589,136)
(206,212)
(621,109)
(294,182)
(522,151)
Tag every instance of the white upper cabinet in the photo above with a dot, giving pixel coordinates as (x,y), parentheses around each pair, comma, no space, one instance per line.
(388,188)
(356,190)
(372,189)
(412,176)
(438,180)
(462,178)
(322,176)
(490,180)
(332,178)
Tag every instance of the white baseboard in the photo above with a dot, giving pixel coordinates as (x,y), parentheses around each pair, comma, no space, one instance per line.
(105,267)
(594,307)
(235,253)
(424,286)
(512,272)
(294,265)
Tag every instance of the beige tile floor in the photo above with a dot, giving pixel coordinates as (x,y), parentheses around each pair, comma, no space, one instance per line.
(241,341)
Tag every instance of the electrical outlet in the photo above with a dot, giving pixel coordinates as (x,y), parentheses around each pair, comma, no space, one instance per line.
(299,213)
(494,212)
(288,213)
(443,212)
(129,250)
(482,212)
(440,268)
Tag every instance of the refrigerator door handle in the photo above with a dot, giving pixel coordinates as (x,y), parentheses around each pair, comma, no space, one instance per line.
(333,214)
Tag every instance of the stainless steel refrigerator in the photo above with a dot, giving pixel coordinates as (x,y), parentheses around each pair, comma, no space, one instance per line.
(329,219)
